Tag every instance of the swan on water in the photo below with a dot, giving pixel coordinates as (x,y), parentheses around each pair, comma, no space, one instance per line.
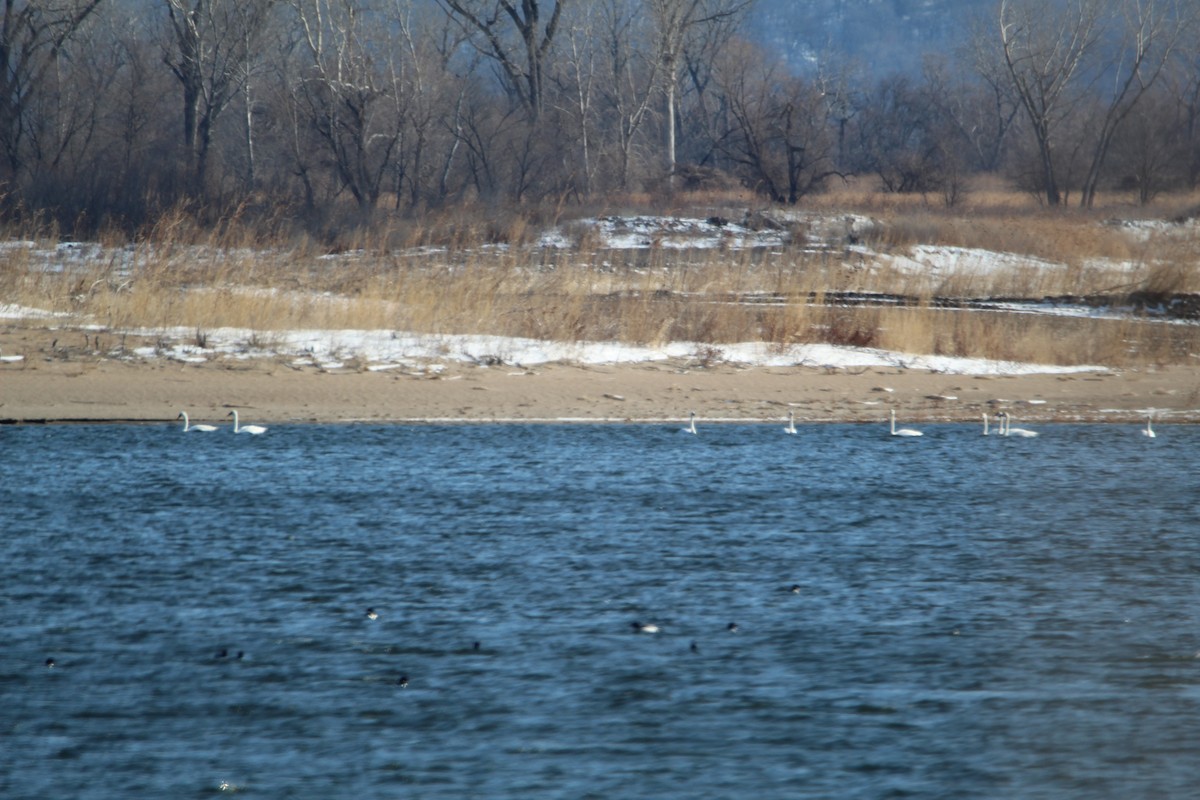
(791,426)
(691,428)
(647,628)
(255,429)
(1006,428)
(1148,431)
(903,431)
(985,424)
(187,426)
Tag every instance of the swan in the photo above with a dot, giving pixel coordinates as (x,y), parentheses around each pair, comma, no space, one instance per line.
(647,628)
(985,424)
(255,429)
(187,426)
(1006,428)
(903,431)
(791,426)
(691,428)
(1148,431)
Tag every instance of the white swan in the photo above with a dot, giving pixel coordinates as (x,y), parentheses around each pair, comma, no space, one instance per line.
(187,426)
(255,429)
(791,426)
(1006,428)
(985,424)
(691,428)
(903,431)
(1148,431)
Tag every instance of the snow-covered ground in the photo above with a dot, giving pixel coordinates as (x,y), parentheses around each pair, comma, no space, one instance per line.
(377,350)
(936,261)
(678,233)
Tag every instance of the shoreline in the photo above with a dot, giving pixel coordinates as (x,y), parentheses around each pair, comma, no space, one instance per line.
(103,390)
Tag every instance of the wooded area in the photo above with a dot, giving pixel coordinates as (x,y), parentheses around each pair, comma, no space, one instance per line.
(335,112)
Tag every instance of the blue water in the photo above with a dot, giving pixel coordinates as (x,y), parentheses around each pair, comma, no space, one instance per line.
(976,617)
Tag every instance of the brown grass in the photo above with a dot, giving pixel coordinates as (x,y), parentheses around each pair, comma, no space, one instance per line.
(477,274)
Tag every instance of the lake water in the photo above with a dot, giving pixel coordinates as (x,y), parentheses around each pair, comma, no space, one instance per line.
(976,617)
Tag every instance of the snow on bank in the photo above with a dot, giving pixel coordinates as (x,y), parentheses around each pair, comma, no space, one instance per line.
(382,350)
(11,311)
(671,233)
(378,350)
(941,260)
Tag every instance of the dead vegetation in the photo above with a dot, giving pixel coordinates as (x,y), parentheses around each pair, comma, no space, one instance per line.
(485,274)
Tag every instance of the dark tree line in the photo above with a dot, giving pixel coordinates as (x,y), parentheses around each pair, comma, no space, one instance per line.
(114,110)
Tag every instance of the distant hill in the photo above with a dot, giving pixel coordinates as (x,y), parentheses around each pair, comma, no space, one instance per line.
(885,36)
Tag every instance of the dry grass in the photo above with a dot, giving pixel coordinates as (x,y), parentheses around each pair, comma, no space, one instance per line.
(482,277)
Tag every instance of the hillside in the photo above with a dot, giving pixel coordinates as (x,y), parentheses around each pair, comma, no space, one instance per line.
(883,35)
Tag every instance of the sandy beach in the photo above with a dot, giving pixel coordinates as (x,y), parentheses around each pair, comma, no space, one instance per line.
(55,383)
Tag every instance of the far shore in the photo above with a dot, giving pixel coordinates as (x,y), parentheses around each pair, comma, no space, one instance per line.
(45,386)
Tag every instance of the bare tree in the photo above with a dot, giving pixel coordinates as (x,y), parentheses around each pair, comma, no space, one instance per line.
(577,84)
(427,94)
(676,21)
(1142,37)
(32,36)
(1044,51)
(213,43)
(898,137)
(632,78)
(779,136)
(345,95)
(1184,88)
(521,63)
(982,107)
(1148,150)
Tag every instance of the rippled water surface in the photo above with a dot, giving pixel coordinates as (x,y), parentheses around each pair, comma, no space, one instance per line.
(975,617)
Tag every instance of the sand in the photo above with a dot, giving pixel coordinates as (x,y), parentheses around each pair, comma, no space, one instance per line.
(58,383)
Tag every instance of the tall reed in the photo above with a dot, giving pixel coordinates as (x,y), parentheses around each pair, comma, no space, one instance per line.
(485,276)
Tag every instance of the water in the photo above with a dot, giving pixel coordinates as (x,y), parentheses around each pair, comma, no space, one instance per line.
(977,617)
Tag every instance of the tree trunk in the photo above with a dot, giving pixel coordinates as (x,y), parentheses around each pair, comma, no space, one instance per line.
(671,133)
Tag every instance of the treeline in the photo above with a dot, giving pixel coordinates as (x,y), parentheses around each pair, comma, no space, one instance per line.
(332,112)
